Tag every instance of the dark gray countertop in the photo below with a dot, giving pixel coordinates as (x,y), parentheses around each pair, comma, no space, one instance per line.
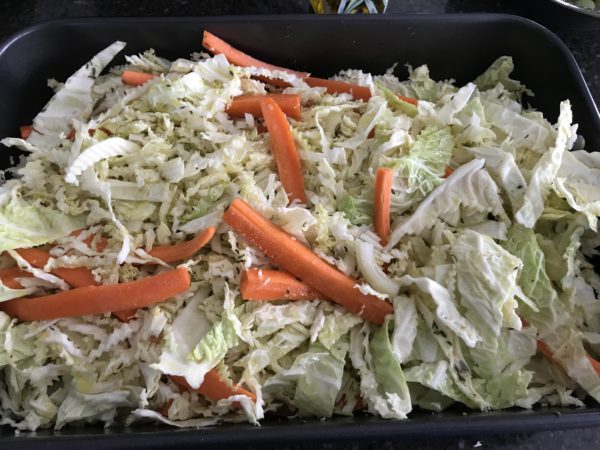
(583,39)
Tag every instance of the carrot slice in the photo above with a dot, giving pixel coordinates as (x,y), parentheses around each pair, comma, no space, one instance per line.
(134,78)
(100,299)
(595,364)
(125,315)
(214,387)
(284,150)
(217,46)
(341,87)
(289,104)
(449,171)
(75,277)
(543,348)
(101,242)
(412,101)
(300,261)
(381,212)
(357,92)
(263,284)
(25,131)
(172,253)
(183,250)
(164,409)
(8,277)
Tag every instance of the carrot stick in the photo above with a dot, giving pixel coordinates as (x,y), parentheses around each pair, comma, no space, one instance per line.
(214,387)
(289,103)
(595,364)
(263,284)
(217,46)
(381,212)
(101,243)
(134,78)
(341,87)
(412,101)
(543,348)
(284,150)
(125,315)
(449,171)
(183,250)
(357,92)
(301,262)
(164,409)
(274,81)
(171,253)
(8,277)
(100,299)
(75,277)
(25,131)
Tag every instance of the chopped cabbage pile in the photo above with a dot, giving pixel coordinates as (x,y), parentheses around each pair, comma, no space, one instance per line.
(481,265)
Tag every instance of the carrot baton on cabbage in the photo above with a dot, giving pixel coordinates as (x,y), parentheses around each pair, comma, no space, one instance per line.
(341,87)
(9,277)
(214,387)
(183,250)
(100,299)
(284,150)
(133,78)
(236,57)
(74,277)
(125,315)
(381,211)
(265,284)
(250,104)
(25,131)
(217,46)
(169,254)
(302,262)
(543,349)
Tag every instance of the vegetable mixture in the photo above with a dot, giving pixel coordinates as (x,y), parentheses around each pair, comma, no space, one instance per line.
(217,238)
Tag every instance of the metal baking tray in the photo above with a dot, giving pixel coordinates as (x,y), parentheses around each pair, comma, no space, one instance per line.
(458,46)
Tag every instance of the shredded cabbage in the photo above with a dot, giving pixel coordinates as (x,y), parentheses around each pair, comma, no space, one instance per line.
(482,263)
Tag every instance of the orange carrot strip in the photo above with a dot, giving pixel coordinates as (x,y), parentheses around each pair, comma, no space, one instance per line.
(284,150)
(134,78)
(125,315)
(289,103)
(101,243)
(214,387)
(300,261)
(9,275)
(164,409)
(357,92)
(75,277)
(263,284)
(383,194)
(595,364)
(100,299)
(217,46)
(183,250)
(412,101)
(341,87)
(25,131)
(274,81)
(543,348)
(449,171)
